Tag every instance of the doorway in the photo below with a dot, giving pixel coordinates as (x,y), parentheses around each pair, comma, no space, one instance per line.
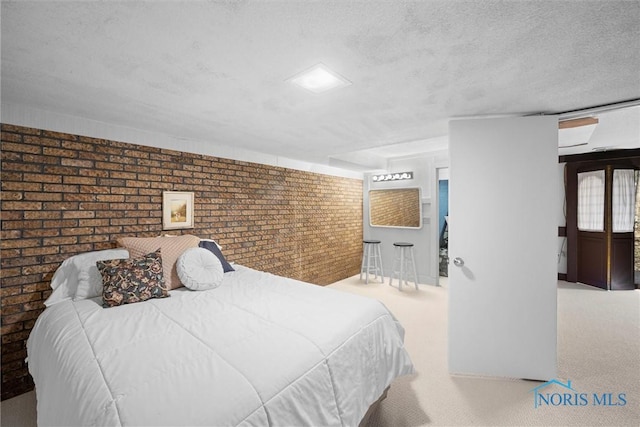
(443,223)
(602,227)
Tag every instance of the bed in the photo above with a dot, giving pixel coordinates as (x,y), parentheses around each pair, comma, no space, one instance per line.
(255,350)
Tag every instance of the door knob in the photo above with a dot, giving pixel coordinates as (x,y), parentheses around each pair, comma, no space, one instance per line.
(458,262)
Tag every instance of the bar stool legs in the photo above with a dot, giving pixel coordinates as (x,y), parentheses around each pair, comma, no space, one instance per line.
(371,260)
(403,264)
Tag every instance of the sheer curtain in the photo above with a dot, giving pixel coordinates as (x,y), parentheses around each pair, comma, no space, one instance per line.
(591,201)
(623,200)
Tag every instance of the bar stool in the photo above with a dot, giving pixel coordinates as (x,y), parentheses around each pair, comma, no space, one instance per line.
(403,263)
(371,260)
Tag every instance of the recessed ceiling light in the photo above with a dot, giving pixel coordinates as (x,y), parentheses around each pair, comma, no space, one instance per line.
(318,79)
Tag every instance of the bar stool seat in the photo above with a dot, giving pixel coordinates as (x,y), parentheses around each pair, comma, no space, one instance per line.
(371,260)
(403,265)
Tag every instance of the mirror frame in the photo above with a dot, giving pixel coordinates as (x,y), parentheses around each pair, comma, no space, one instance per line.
(419,201)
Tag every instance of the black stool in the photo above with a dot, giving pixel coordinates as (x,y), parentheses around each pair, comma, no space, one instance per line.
(403,263)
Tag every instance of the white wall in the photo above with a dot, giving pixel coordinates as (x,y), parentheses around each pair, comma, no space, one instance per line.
(48,120)
(425,239)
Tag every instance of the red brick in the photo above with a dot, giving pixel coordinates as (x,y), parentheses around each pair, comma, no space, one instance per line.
(21,243)
(19,147)
(59,135)
(47,232)
(20,185)
(15,337)
(81,180)
(80,197)
(78,214)
(43,197)
(61,188)
(59,152)
(21,206)
(40,250)
(93,172)
(19,167)
(19,299)
(58,170)
(60,223)
(40,160)
(62,206)
(43,214)
(12,195)
(109,166)
(32,177)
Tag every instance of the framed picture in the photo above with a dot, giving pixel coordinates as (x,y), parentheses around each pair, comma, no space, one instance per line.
(177,210)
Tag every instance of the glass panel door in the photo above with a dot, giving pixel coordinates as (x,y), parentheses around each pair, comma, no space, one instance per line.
(623,202)
(591,188)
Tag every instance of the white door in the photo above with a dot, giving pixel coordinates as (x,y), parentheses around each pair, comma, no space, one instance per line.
(502,236)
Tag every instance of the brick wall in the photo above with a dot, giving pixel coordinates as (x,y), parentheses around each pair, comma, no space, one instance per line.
(65,194)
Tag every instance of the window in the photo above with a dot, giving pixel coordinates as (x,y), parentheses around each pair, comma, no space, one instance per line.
(623,200)
(591,201)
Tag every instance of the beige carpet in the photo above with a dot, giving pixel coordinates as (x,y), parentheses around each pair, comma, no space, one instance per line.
(598,346)
(598,350)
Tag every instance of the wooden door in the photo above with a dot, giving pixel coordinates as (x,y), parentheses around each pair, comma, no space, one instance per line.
(622,267)
(621,238)
(582,253)
(592,235)
(592,258)
(605,255)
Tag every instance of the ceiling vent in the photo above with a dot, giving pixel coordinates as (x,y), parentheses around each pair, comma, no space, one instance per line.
(576,132)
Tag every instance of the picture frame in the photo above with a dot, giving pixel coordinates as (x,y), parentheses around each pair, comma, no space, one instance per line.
(177,210)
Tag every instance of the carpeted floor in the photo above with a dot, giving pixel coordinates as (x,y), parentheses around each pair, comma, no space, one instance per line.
(598,351)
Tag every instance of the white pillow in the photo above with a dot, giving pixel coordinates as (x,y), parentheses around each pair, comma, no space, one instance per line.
(66,279)
(199,269)
(89,278)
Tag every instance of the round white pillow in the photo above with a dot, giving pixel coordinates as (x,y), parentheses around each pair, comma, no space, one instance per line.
(199,269)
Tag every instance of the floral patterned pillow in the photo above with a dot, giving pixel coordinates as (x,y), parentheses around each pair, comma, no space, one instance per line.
(125,281)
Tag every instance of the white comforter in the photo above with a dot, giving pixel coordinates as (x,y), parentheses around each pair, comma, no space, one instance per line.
(258,350)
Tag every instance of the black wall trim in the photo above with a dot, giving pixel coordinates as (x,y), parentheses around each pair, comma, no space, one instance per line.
(632,155)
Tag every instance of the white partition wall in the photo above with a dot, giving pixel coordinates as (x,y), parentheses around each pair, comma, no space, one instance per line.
(503,232)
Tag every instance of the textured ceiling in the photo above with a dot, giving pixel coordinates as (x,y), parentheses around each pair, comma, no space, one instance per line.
(216,71)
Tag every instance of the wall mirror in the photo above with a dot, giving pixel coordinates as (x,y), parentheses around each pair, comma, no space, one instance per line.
(397,207)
